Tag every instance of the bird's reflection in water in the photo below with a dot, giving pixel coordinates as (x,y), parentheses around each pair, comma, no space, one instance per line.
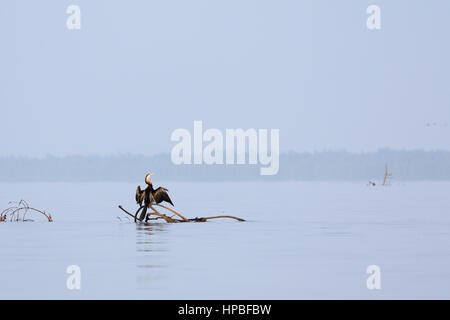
(150,252)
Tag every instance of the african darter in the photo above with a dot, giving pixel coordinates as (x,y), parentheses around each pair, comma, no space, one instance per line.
(150,196)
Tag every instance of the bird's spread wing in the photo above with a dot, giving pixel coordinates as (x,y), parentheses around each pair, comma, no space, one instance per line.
(139,195)
(161,194)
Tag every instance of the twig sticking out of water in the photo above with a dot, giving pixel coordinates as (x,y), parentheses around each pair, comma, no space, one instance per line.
(18,211)
(172,220)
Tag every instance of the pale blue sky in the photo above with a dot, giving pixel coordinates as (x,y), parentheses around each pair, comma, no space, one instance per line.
(137,70)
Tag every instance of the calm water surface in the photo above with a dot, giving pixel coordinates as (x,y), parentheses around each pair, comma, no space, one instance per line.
(301,240)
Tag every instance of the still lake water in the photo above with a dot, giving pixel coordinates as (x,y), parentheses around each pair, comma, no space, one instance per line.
(301,240)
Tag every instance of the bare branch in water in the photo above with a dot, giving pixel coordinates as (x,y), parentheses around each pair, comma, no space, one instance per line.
(173,211)
(18,211)
(171,219)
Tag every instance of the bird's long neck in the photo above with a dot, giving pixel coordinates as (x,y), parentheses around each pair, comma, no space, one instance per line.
(150,186)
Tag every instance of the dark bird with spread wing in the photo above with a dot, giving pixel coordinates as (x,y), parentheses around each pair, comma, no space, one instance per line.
(150,196)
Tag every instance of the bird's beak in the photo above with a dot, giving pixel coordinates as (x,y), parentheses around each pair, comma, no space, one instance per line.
(147,178)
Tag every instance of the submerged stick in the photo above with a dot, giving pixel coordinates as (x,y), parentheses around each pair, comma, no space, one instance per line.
(217,217)
(120,207)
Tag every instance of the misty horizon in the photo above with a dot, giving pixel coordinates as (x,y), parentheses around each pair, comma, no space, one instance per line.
(142,154)
(331,165)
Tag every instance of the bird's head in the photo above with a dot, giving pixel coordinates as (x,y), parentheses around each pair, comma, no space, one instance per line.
(147,178)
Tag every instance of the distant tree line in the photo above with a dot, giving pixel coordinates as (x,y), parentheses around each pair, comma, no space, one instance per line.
(329,165)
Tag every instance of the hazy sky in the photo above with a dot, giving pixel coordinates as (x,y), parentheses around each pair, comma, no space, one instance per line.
(137,70)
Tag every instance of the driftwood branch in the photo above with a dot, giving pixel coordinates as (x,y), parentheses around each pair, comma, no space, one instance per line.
(173,211)
(172,220)
(13,212)
(162,216)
